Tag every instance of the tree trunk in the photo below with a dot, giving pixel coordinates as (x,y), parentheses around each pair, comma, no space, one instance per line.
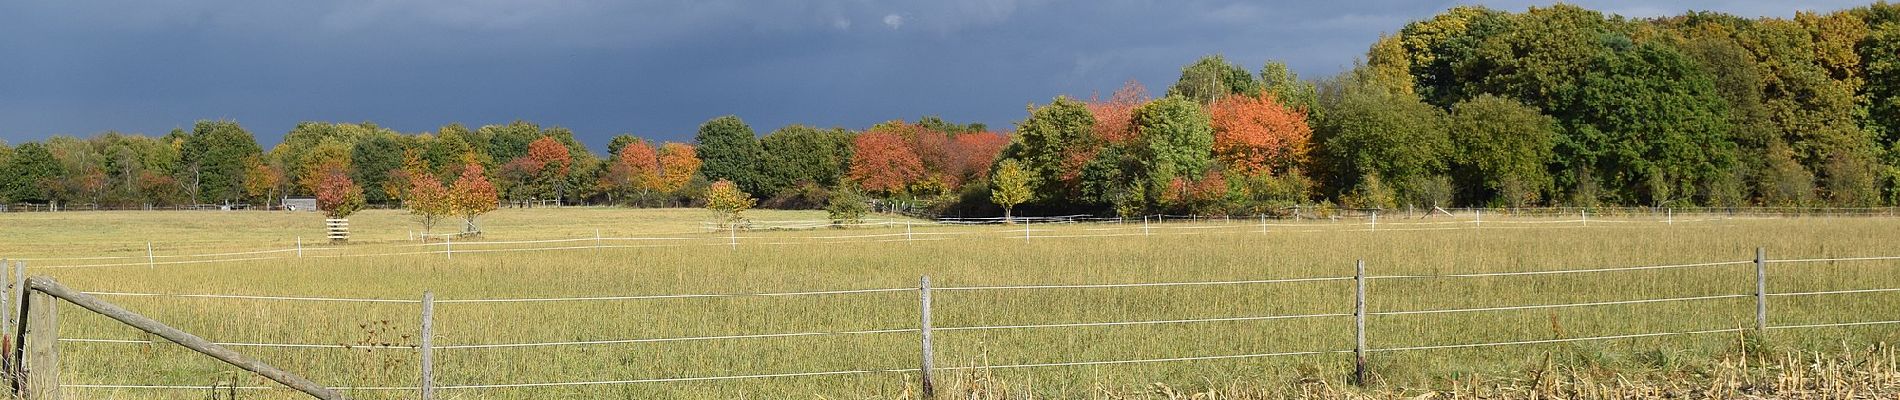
(1007,218)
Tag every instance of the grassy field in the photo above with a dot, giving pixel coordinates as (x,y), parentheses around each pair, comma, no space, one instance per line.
(693,260)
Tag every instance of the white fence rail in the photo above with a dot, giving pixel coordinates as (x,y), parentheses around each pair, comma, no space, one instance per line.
(923,372)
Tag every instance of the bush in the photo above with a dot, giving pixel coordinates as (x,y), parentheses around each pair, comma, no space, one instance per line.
(847,206)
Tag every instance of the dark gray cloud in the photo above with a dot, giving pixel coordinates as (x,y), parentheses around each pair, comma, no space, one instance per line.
(653,68)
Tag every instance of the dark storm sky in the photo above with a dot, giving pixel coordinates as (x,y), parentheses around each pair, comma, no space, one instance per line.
(655,69)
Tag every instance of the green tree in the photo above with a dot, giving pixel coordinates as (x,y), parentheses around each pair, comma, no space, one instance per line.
(1212,77)
(1287,88)
(1502,150)
(1370,131)
(372,160)
(1052,143)
(1010,187)
(28,172)
(798,153)
(1650,125)
(730,151)
(212,160)
(1176,140)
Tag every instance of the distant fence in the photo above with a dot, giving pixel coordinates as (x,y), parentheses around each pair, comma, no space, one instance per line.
(1365,323)
(759,233)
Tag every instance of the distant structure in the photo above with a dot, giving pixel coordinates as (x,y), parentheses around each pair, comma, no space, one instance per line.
(300,203)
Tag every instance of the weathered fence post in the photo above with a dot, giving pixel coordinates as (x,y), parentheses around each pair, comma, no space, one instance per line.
(427,347)
(1263,224)
(1359,323)
(1670,215)
(1375,220)
(1480,218)
(151,261)
(299,246)
(1761,289)
(1145,231)
(734,235)
(907,226)
(1586,216)
(38,351)
(923,295)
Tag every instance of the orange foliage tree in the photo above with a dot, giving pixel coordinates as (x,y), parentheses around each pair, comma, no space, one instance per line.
(472,195)
(635,169)
(882,161)
(1114,118)
(973,153)
(1254,134)
(678,163)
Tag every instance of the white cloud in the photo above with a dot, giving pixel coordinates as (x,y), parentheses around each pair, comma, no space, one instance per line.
(894,21)
(841,23)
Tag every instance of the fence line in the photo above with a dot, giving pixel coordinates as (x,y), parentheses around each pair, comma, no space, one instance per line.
(673,339)
(1150,360)
(249,297)
(1523,342)
(1760,294)
(1809,260)
(1564,271)
(1237,226)
(1124,323)
(652,380)
(1543,306)
(1835,292)
(241,344)
(1124,285)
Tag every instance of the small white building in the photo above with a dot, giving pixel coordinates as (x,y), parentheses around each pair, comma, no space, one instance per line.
(300,203)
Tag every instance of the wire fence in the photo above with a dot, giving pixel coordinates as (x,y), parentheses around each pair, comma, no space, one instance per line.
(925,329)
(1029,229)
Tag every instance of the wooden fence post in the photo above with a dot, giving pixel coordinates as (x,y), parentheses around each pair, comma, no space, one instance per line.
(1145,231)
(38,352)
(1375,220)
(1359,326)
(923,286)
(427,347)
(151,261)
(1761,289)
(1263,224)
(299,246)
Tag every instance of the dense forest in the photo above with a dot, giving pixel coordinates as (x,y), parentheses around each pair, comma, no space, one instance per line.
(1557,105)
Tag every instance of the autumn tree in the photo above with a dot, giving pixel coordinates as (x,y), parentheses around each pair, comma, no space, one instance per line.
(635,170)
(261,180)
(883,162)
(1256,134)
(729,203)
(679,163)
(471,196)
(338,196)
(1114,115)
(427,200)
(1010,187)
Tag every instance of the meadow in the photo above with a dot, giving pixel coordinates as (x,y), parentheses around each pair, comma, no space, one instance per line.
(669,251)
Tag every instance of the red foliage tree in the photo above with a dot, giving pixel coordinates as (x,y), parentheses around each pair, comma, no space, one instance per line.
(883,161)
(974,153)
(549,153)
(678,163)
(1114,118)
(337,195)
(1254,134)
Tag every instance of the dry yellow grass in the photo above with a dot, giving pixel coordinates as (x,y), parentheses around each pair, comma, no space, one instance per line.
(778,261)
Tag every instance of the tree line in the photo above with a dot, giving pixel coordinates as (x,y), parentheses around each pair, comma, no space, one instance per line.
(1555,105)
